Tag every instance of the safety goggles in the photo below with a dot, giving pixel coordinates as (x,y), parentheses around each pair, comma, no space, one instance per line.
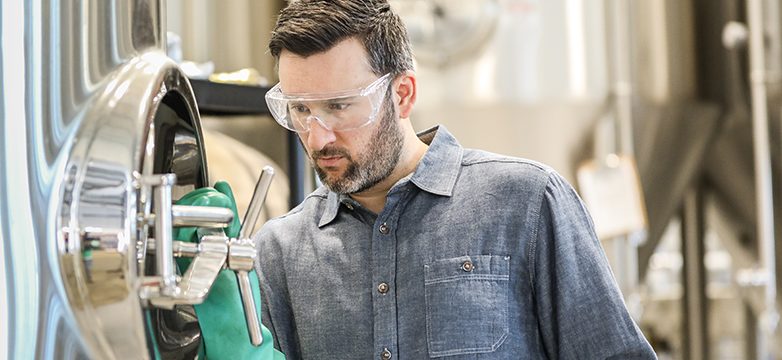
(338,111)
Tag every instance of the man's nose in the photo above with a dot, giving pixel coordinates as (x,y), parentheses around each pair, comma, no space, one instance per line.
(319,136)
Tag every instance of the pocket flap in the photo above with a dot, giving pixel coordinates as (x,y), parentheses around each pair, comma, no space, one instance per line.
(478,267)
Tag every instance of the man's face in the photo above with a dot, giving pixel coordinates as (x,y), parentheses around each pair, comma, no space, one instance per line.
(346,161)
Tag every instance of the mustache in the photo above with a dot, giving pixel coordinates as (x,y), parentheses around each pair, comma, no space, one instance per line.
(327,152)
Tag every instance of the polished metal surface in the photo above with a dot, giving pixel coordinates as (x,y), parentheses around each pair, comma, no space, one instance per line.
(104,277)
(194,285)
(164,250)
(82,93)
(250,314)
(242,254)
(256,202)
(201,216)
(186,158)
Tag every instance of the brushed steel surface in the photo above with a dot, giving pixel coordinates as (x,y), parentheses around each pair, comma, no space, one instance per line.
(81,91)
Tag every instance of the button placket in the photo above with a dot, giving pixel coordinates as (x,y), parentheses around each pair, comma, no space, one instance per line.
(384,277)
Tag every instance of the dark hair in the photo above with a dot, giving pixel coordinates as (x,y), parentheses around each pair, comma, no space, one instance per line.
(308,27)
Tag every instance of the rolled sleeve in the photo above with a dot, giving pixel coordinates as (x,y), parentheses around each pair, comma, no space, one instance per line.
(581,312)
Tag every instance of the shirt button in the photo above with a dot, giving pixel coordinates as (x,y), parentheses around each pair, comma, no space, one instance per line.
(350,207)
(384,229)
(468,266)
(382,288)
(386,354)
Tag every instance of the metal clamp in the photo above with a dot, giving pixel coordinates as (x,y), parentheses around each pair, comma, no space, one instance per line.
(166,289)
(212,254)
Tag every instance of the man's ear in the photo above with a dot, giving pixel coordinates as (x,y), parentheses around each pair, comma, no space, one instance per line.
(406,93)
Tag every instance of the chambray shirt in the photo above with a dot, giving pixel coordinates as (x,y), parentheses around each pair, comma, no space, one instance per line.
(474,256)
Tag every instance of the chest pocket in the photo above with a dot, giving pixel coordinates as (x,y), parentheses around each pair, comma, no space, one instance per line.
(466,304)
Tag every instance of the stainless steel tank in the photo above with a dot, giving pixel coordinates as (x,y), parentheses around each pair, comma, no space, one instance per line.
(530,75)
(92,109)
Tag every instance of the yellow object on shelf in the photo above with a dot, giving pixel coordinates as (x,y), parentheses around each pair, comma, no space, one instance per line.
(247,76)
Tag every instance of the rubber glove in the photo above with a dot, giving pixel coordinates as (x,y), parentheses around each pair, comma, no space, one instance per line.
(221,316)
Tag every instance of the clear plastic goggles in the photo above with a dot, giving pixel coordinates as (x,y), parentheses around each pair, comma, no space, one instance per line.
(339,111)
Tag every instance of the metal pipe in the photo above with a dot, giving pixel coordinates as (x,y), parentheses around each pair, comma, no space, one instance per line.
(201,216)
(763,179)
(251,315)
(256,203)
(694,277)
(164,247)
(620,53)
(181,249)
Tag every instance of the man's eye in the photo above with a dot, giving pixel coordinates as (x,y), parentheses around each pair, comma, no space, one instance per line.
(338,106)
(299,108)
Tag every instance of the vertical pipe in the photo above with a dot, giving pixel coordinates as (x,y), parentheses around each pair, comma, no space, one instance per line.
(763,180)
(620,52)
(696,328)
(164,242)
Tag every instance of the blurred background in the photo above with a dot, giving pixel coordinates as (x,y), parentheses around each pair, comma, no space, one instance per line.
(665,115)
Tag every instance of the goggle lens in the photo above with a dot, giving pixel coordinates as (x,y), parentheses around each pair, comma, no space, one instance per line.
(344,111)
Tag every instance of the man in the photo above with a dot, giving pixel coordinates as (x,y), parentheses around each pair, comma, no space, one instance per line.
(415,247)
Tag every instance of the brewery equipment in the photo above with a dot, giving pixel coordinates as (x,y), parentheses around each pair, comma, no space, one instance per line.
(100,134)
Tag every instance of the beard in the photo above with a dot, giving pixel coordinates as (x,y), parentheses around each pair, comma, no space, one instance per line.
(372,165)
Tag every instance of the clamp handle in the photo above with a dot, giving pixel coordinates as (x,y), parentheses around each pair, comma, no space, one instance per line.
(243,249)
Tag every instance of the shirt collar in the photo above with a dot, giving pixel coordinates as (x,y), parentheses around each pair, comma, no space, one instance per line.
(440,166)
(436,172)
(332,207)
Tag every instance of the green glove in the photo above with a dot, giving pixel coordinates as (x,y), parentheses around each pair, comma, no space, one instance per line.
(221,315)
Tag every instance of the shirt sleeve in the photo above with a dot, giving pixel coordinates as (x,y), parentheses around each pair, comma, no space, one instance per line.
(276,312)
(581,313)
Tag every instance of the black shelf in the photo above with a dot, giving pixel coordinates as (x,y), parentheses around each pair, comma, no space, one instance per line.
(229,99)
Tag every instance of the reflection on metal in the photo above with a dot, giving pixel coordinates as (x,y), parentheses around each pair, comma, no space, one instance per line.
(99,237)
(201,216)
(92,81)
(186,158)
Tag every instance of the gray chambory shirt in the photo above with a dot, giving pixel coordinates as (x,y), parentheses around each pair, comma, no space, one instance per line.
(474,256)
